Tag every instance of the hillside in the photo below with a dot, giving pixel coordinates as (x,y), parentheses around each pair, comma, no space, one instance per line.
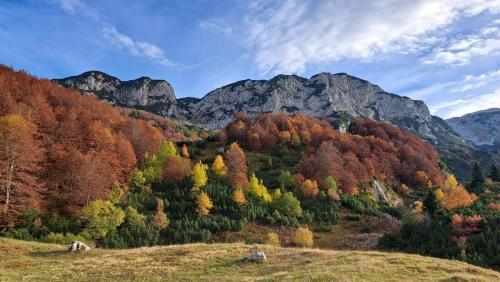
(21,260)
(480,128)
(339,98)
(57,142)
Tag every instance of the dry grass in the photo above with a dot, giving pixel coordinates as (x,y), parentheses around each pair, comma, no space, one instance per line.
(29,261)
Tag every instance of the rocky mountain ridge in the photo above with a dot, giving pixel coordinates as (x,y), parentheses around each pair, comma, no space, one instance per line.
(156,96)
(480,128)
(323,95)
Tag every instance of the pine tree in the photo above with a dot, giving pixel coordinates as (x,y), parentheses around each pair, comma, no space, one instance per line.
(477,178)
(431,204)
(494,173)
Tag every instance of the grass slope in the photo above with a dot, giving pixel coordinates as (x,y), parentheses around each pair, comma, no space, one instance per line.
(31,261)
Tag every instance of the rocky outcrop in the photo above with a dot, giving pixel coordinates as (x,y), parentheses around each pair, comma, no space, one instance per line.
(156,96)
(383,194)
(480,128)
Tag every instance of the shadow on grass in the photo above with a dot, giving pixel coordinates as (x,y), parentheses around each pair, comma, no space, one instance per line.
(56,253)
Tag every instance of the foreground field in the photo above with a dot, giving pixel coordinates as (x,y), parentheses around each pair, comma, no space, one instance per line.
(30,261)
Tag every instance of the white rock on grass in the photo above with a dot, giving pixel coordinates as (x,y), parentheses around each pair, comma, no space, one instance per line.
(256,257)
(78,246)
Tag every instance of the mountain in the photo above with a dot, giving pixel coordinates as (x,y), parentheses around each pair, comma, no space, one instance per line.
(156,96)
(480,128)
(323,95)
(337,97)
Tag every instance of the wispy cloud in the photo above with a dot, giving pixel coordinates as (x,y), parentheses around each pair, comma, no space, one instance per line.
(468,104)
(215,25)
(145,49)
(461,51)
(462,96)
(289,35)
(72,6)
(118,39)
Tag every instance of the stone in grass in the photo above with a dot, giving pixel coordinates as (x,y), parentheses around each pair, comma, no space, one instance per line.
(256,257)
(77,246)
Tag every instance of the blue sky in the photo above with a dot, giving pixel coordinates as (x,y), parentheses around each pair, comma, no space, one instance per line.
(444,52)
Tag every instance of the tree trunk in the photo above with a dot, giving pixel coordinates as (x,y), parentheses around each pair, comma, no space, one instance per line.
(8,187)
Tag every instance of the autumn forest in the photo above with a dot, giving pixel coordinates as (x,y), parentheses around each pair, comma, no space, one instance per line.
(73,167)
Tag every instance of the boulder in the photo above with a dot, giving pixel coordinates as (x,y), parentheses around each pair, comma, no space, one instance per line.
(77,246)
(256,257)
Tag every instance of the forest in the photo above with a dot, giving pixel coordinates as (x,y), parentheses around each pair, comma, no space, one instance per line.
(75,168)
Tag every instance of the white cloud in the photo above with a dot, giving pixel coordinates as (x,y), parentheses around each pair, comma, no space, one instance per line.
(215,25)
(70,5)
(77,6)
(289,35)
(145,49)
(458,97)
(469,104)
(462,51)
(120,40)
(474,82)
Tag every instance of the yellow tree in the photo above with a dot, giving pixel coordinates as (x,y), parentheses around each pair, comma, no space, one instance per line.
(218,166)
(309,189)
(257,188)
(204,204)
(303,237)
(239,197)
(450,182)
(199,176)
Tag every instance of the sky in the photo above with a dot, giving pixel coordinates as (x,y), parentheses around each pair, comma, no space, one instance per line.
(444,52)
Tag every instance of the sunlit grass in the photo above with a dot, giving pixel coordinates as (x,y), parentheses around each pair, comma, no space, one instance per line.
(29,261)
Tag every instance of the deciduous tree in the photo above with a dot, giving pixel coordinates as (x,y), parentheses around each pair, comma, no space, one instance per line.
(199,176)
(204,204)
(160,219)
(218,166)
(236,166)
(19,155)
(303,237)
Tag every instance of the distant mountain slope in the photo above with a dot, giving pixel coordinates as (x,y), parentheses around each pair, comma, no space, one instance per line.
(224,262)
(480,128)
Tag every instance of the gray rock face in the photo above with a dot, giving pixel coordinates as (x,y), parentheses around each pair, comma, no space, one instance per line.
(480,128)
(156,96)
(323,95)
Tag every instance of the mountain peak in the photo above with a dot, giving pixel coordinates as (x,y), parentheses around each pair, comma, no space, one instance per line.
(144,93)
